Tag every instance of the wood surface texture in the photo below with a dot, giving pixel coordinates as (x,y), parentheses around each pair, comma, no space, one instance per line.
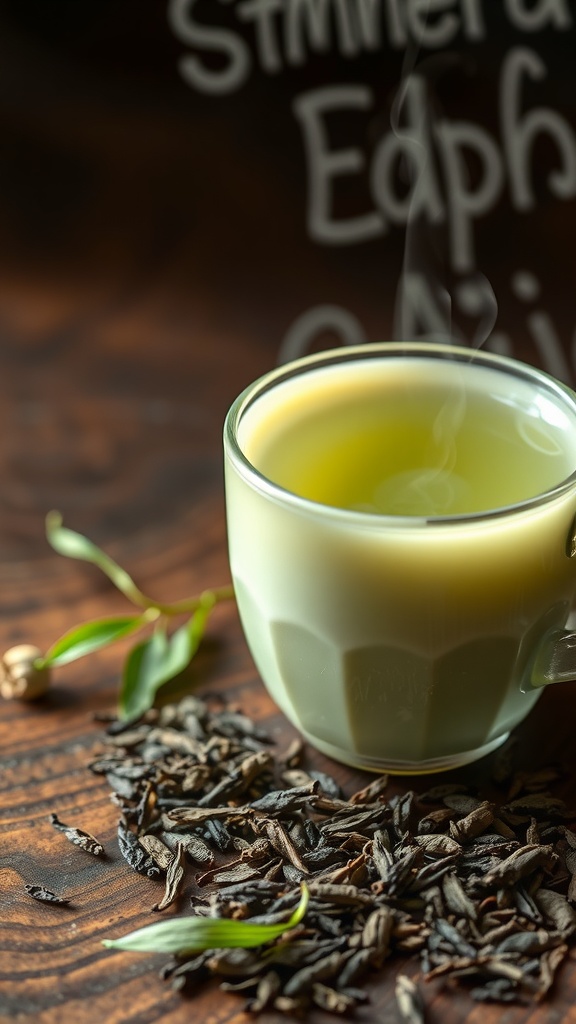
(118,425)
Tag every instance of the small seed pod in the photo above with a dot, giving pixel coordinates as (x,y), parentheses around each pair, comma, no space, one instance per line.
(20,679)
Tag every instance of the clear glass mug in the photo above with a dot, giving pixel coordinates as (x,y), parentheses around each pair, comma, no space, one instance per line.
(411,640)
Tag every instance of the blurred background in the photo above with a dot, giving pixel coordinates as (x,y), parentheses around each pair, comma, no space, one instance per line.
(194,190)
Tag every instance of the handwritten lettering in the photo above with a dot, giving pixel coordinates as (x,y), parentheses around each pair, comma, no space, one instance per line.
(427,145)
(426,168)
(308,26)
(325,165)
(519,134)
(286,33)
(226,44)
(465,202)
(530,17)
(341,325)
(431,32)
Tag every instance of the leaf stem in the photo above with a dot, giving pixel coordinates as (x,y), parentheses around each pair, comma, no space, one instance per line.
(208,598)
(74,545)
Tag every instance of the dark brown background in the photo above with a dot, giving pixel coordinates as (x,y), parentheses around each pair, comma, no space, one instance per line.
(153,253)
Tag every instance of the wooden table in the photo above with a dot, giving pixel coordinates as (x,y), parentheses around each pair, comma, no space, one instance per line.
(111,411)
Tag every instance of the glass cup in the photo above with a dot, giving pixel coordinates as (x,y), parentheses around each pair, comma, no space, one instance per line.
(401,539)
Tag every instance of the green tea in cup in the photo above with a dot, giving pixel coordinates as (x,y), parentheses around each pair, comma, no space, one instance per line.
(400,521)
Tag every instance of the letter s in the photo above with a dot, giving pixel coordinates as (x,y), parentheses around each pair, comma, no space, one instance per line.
(215,40)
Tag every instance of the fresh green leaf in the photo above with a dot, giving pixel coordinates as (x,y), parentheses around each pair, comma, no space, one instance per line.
(193,934)
(75,545)
(197,624)
(159,659)
(89,637)
(149,665)
(138,687)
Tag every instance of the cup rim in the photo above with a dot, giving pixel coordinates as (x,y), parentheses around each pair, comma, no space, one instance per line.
(455,353)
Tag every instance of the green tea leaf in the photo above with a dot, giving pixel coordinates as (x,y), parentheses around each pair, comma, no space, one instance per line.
(197,624)
(89,637)
(149,665)
(159,659)
(138,686)
(193,934)
(75,545)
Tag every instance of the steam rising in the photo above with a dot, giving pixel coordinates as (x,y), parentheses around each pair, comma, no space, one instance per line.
(423,244)
(435,489)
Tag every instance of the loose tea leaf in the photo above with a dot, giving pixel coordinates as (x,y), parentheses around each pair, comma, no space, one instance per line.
(39,892)
(205,802)
(135,854)
(410,1002)
(174,876)
(160,853)
(522,862)
(84,840)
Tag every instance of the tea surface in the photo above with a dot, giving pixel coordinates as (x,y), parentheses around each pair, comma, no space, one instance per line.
(410,437)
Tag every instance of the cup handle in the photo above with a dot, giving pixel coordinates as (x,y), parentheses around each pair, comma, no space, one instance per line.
(555,661)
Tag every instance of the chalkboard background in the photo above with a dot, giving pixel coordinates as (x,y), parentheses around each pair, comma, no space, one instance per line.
(262,162)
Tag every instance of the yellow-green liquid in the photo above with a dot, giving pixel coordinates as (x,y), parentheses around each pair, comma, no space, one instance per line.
(436,440)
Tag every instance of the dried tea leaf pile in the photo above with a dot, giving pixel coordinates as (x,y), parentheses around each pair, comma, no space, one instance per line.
(481,893)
